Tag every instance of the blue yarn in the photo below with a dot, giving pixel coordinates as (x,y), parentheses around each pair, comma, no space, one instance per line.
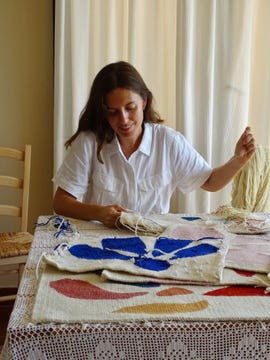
(63,225)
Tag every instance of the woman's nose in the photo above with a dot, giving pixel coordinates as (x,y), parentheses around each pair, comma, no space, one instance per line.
(123,116)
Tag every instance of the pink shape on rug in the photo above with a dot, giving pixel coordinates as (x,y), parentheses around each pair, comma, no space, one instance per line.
(195,232)
(79,289)
(249,252)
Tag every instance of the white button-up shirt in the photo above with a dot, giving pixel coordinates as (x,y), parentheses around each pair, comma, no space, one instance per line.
(145,182)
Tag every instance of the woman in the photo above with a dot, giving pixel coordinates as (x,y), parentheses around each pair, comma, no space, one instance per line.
(121,156)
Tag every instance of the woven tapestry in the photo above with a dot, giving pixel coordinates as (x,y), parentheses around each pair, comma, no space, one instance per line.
(183,252)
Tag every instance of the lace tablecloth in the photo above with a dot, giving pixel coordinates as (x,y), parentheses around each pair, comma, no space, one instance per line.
(170,339)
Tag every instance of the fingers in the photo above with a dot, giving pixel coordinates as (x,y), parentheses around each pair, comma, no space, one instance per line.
(248,137)
(110,214)
(119,208)
(249,141)
(250,152)
(245,146)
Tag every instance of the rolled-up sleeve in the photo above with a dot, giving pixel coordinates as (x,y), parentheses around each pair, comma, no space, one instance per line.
(192,170)
(74,173)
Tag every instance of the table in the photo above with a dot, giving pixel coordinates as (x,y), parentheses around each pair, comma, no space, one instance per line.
(149,339)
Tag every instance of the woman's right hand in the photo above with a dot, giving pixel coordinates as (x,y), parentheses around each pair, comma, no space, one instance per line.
(109,214)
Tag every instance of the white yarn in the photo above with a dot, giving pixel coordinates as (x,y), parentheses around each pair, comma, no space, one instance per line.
(39,264)
(139,224)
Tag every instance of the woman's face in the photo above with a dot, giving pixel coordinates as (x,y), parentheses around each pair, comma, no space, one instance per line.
(125,114)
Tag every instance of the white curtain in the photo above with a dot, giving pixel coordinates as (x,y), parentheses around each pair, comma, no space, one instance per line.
(206,62)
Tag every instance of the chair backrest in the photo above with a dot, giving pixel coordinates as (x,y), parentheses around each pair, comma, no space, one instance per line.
(23,183)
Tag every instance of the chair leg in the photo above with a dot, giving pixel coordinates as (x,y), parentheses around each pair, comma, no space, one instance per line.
(20,273)
(21,269)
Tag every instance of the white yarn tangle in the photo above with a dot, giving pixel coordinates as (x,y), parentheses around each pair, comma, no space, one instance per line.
(229,212)
(139,224)
(242,220)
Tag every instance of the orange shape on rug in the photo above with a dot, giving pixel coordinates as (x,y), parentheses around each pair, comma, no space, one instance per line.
(174,291)
(161,308)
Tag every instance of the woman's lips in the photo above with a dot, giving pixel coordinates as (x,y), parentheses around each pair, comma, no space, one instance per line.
(126,129)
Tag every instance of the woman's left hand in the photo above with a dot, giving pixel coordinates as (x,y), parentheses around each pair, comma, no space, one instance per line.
(245,146)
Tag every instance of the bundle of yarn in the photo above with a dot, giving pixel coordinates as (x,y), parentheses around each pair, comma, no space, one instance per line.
(251,186)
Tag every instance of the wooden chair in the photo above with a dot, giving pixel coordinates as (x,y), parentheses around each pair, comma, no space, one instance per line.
(15,245)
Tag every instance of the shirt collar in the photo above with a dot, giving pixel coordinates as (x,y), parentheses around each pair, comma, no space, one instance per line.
(145,146)
(146,143)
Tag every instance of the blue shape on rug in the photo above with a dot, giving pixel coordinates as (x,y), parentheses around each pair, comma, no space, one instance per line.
(135,248)
(190,218)
(168,245)
(151,264)
(130,244)
(197,250)
(84,251)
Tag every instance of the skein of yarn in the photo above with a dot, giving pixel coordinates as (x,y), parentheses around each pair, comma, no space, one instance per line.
(251,186)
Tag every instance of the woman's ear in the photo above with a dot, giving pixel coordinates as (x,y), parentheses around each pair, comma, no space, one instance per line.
(144,103)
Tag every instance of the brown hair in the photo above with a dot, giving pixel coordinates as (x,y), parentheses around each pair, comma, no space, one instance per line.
(115,75)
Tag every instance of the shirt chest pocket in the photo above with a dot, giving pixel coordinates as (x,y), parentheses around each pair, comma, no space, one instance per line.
(106,189)
(156,182)
(155,193)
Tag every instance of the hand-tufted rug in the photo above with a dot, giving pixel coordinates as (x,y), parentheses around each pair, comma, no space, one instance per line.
(182,252)
(67,298)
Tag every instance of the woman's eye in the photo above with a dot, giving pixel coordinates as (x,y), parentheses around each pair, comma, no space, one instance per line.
(114,112)
(131,108)
(111,112)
